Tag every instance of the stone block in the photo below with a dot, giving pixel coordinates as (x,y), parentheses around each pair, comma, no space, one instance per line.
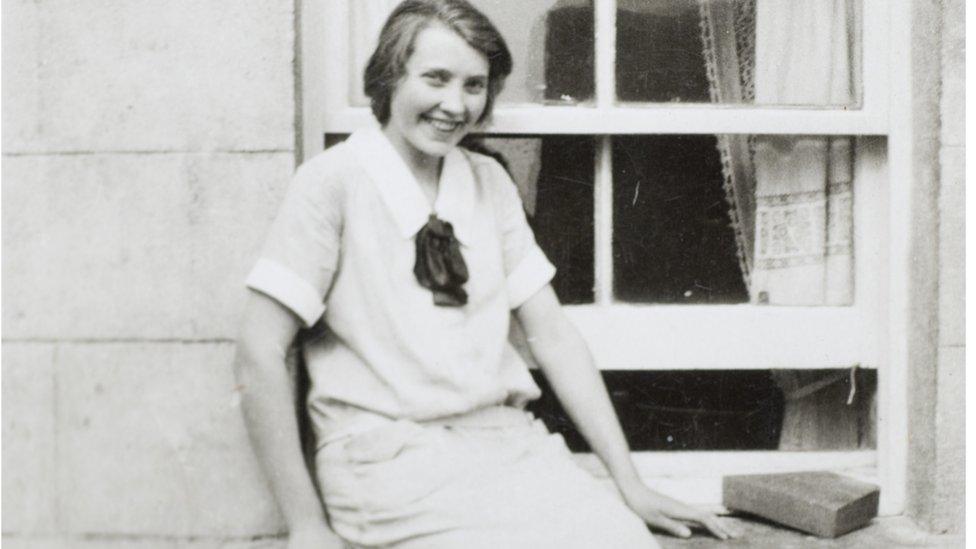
(29,482)
(954,33)
(953,107)
(152,443)
(184,75)
(127,542)
(949,515)
(133,246)
(952,247)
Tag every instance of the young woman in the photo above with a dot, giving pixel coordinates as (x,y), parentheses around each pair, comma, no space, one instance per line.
(415,252)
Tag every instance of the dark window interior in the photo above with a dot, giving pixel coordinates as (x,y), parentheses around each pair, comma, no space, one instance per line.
(728,410)
(672,237)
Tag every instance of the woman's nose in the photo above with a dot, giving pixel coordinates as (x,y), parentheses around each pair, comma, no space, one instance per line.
(452,101)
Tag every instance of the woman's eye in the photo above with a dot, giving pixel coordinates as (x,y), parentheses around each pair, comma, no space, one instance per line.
(476,86)
(435,78)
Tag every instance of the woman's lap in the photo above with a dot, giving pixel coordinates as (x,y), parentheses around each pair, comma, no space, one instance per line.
(406,485)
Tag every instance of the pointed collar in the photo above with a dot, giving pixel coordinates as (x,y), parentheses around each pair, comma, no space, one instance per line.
(402,194)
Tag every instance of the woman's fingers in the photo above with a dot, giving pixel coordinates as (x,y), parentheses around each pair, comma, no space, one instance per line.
(670,526)
(667,514)
(717,528)
(709,521)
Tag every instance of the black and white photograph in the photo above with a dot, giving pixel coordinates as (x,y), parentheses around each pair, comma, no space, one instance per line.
(483,274)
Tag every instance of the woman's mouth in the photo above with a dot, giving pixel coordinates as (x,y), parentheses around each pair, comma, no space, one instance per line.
(442,125)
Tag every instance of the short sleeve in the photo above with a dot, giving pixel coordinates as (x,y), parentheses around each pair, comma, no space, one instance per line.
(527,269)
(301,252)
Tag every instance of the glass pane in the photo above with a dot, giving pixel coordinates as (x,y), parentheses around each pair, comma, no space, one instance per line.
(551,43)
(733,219)
(366,18)
(673,241)
(731,410)
(739,52)
(555,178)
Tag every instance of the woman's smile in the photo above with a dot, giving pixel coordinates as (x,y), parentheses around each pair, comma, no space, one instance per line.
(442,125)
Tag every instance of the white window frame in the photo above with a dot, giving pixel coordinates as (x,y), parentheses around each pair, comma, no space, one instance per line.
(872,333)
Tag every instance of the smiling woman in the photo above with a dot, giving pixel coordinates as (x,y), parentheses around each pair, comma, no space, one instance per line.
(442,94)
(415,254)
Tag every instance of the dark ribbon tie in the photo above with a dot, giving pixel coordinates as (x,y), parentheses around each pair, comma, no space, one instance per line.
(440,267)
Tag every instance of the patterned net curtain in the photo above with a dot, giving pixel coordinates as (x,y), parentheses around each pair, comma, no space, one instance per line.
(789,198)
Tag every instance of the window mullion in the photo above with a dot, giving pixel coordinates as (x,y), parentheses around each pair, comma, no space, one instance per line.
(605,17)
(606,50)
(603,222)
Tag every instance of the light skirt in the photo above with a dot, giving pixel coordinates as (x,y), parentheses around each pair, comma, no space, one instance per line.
(492,479)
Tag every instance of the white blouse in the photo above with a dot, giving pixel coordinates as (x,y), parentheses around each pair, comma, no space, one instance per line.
(343,245)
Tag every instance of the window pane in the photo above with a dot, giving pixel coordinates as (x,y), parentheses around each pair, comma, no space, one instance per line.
(552,46)
(673,241)
(733,219)
(739,52)
(731,410)
(555,179)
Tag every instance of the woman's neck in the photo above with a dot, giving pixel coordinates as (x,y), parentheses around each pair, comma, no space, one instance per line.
(426,169)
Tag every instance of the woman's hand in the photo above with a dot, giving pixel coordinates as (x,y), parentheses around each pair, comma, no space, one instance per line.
(314,536)
(664,513)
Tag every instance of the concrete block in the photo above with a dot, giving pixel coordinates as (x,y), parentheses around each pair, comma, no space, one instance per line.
(949,514)
(96,543)
(105,75)
(133,246)
(822,503)
(953,106)
(952,247)
(152,442)
(954,34)
(128,542)
(29,482)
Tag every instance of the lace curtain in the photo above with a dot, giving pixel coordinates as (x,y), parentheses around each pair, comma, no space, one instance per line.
(789,197)
(728,32)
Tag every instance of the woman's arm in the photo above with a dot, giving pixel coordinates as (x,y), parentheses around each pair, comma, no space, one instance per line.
(268,401)
(565,359)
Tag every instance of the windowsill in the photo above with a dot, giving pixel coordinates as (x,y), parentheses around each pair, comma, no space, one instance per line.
(696,477)
(896,531)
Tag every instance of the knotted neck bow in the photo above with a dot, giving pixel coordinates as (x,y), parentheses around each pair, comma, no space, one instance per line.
(440,267)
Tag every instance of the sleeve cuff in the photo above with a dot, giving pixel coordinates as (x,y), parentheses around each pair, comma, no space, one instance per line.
(283,285)
(531,275)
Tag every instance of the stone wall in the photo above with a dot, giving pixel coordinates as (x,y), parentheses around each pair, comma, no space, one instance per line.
(145,148)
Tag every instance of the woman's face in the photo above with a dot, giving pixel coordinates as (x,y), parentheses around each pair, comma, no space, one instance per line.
(440,97)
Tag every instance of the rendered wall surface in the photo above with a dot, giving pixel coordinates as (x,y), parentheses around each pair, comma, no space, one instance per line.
(923,285)
(146,146)
(936,391)
(948,510)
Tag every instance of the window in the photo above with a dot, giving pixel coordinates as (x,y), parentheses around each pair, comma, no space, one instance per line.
(656,144)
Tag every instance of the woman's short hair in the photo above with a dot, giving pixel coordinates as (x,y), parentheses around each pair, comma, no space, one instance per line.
(396,43)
